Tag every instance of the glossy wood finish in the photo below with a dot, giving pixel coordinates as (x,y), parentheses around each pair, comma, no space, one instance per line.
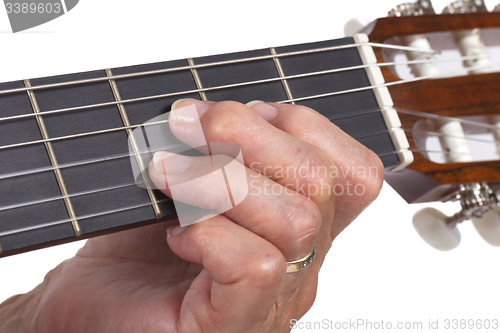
(460,96)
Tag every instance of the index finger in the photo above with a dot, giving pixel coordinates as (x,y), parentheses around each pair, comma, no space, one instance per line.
(266,149)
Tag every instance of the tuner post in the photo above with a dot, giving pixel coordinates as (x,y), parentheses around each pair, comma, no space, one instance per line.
(465,6)
(421,7)
(452,136)
(469,42)
(471,46)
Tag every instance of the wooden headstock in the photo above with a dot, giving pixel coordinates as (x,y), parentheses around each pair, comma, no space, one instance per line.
(470,95)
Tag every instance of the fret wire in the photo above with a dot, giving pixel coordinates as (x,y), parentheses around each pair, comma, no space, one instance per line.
(166,200)
(72,136)
(53,223)
(103,213)
(83,217)
(242,84)
(421,78)
(197,80)
(125,155)
(132,207)
(60,197)
(220,63)
(389,84)
(53,160)
(131,138)
(81,163)
(281,73)
(77,194)
(182,145)
(35,202)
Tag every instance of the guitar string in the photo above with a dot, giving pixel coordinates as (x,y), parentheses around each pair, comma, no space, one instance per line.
(80,218)
(182,145)
(219,63)
(466,138)
(108,212)
(131,207)
(41,201)
(61,197)
(124,155)
(170,147)
(4,176)
(235,85)
(447,118)
(83,217)
(85,162)
(299,99)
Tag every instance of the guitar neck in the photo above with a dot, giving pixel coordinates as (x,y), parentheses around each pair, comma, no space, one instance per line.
(49,194)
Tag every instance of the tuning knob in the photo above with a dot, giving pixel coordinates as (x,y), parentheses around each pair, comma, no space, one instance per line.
(433,227)
(465,6)
(354,26)
(488,227)
(421,7)
(480,203)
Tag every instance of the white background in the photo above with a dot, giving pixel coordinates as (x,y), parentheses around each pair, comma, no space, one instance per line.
(378,269)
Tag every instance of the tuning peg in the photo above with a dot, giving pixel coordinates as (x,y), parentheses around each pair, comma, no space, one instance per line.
(497,8)
(488,227)
(420,7)
(465,6)
(355,25)
(469,42)
(480,202)
(454,142)
(433,227)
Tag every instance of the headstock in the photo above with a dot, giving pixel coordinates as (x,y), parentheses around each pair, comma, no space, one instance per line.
(450,108)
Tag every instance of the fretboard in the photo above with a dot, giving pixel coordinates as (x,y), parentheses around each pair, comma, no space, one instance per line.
(43,204)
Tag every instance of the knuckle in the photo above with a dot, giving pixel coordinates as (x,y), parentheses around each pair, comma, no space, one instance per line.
(307,221)
(225,119)
(266,269)
(373,178)
(294,124)
(314,172)
(202,233)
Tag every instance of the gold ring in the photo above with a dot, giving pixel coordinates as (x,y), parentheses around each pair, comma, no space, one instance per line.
(300,264)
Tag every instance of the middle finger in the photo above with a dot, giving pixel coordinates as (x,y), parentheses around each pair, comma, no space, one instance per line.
(266,149)
(282,216)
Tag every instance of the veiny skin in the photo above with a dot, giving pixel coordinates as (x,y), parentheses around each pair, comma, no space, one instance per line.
(227,273)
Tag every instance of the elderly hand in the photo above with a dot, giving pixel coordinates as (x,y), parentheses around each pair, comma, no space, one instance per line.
(226,273)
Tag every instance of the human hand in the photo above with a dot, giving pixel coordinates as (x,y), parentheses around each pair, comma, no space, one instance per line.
(227,273)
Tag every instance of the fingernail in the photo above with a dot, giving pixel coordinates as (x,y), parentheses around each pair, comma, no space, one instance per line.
(182,114)
(168,163)
(175,230)
(263,109)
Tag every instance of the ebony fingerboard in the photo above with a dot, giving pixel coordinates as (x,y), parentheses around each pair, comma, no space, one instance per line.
(90,209)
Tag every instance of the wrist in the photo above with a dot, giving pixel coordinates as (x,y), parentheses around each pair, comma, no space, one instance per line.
(16,313)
